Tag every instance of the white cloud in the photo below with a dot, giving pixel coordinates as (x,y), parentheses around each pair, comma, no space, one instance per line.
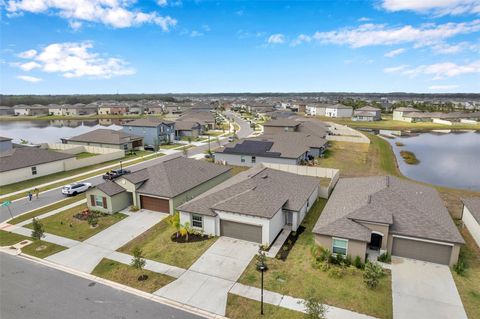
(393,53)
(73,60)
(276,39)
(113,13)
(162,3)
(446,87)
(27,54)
(28,78)
(364,19)
(380,34)
(437,70)
(195,34)
(302,38)
(437,7)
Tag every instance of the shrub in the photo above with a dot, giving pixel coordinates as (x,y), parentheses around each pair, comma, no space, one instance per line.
(461,266)
(348,261)
(385,258)
(325,266)
(37,232)
(372,274)
(134,208)
(352,270)
(336,272)
(92,219)
(314,307)
(357,262)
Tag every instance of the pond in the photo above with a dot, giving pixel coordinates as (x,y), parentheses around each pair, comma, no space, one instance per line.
(446,159)
(51,131)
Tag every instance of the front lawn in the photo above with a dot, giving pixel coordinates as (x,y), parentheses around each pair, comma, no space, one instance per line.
(157,245)
(296,276)
(64,224)
(8,238)
(84,155)
(127,275)
(42,249)
(169,146)
(240,307)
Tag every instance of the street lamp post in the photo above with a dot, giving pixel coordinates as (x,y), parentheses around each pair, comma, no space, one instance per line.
(262,267)
(120,165)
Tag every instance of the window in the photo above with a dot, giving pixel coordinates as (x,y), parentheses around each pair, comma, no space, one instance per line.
(34,170)
(99,201)
(254,159)
(285,129)
(197,221)
(242,158)
(340,246)
(125,147)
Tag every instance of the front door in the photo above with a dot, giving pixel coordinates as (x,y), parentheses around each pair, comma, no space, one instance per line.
(376,241)
(288,218)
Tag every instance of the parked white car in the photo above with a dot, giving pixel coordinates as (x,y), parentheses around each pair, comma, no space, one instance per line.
(75,188)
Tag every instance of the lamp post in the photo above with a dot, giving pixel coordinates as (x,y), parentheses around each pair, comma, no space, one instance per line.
(120,165)
(262,267)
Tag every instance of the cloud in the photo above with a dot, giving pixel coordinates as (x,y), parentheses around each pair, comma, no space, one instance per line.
(27,54)
(195,34)
(113,13)
(381,34)
(162,3)
(75,59)
(302,38)
(276,39)
(446,87)
(437,7)
(393,53)
(437,70)
(28,78)
(364,19)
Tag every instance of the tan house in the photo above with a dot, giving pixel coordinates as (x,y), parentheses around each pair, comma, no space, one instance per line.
(372,215)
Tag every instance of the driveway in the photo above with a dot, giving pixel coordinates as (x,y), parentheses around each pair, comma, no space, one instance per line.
(207,282)
(424,290)
(86,255)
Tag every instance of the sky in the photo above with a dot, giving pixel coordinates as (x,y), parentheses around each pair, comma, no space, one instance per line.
(180,46)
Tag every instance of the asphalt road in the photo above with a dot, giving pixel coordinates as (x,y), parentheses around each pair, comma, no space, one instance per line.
(32,290)
(54,195)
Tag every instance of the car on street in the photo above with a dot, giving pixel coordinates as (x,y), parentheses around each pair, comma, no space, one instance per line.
(75,188)
(115,173)
(231,139)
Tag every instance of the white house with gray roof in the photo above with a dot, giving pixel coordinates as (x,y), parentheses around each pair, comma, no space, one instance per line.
(255,205)
(388,214)
(107,138)
(471,216)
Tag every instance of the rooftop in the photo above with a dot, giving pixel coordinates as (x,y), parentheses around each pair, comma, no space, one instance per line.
(148,122)
(22,157)
(473,205)
(105,136)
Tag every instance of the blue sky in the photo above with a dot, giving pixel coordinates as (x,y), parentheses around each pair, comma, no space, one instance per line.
(125,46)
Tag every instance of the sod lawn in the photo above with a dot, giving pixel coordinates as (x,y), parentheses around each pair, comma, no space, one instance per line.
(9,239)
(127,275)
(296,277)
(157,245)
(239,307)
(64,224)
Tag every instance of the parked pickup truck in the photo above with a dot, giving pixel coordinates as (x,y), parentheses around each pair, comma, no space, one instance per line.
(115,173)
(75,188)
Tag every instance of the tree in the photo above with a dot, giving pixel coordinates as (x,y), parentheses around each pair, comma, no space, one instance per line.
(372,274)
(314,308)
(37,232)
(185,151)
(185,230)
(175,222)
(138,262)
(189,139)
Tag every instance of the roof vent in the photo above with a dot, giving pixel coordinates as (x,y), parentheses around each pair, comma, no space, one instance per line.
(265,176)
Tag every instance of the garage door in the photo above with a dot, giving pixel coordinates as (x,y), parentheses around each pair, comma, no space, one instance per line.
(241,231)
(155,204)
(421,250)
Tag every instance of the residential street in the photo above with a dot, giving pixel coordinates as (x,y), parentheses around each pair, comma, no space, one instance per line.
(54,195)
(26,292)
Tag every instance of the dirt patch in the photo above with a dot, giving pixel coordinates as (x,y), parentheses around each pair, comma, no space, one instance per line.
(192,238)
(289,243)
(41,247)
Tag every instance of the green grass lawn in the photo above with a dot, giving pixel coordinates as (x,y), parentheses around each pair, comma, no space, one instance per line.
(157,245)
(9,239)
(84,155)
(296,276)
(65,225)
(239,307)
(169,146)
(127,275)
(213,133)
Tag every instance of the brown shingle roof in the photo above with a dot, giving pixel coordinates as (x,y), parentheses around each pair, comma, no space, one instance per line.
(16,158)
(105,136)
(111,188)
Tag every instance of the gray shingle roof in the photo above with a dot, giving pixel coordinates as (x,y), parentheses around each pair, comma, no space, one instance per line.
(338,106)
(16,158)
(111,188)
(282,123)
(410,208)
(148,122)
(257,192)
(105,136)
(406,109)
(369,109)
(4,139)
(176,176)
(473,205)
(186,125)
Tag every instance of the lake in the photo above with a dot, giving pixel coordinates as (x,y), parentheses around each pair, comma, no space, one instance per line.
(51,131)
(446,159)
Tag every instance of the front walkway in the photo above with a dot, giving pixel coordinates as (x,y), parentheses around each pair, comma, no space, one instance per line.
(424,290)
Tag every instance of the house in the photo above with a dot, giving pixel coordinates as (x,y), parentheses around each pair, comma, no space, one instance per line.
(254,205)
(315,109)
(398,113)
(136,109)
(161,187)
(104,110)
(205,118)
(30,110)
(154,130)
(23,163)
(367,114)
(187,129)
(291,148)
(471,216)
(338,110)
(275,126)
(107,138)
(6,111)
(372,215)
(314,127)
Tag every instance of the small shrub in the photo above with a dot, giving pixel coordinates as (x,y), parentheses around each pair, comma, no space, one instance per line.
(357,262)
(352,270)
(325,266)
(372,274)
(348,261)
(134,208)
(92,219)
(315,308)
(38,231)
(385,258)
(336,272)
(461,266)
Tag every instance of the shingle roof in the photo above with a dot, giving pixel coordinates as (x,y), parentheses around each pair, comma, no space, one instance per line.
(368,108)
(148,122)
(282,123)
(473,205)
(406,109)
(4,139)
(175,176)
(257,192)
(186,125)
(338,106)
(198,116)
(314,127)
(16,158)
(105,136)
(410,208)
(111,188)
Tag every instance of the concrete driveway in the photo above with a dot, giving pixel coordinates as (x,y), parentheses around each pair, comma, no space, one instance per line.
(207,282)
(424,290)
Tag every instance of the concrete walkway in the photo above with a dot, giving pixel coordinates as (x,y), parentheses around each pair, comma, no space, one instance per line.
(51,213)
(151,265)
(277,245)
(424,290)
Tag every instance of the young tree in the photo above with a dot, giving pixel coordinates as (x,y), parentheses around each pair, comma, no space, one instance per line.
(37,232)
(175,222)
(372,274)
(314,308)
(185,151)
(189,139)
(185,230)
(138,262)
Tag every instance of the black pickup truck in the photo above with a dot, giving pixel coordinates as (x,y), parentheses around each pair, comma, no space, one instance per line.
(115,173)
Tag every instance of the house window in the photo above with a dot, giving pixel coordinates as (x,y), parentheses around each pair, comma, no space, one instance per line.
(254,159)
(34,170)
(340,246)
(197,221)
(242,158)
(285,129)
(125,147)
(99,201)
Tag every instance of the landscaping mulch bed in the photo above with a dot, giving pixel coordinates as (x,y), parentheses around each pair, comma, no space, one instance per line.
(192,238)
(289,243)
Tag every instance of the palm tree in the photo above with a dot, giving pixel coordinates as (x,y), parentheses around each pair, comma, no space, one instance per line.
(175,222)
(185,230)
